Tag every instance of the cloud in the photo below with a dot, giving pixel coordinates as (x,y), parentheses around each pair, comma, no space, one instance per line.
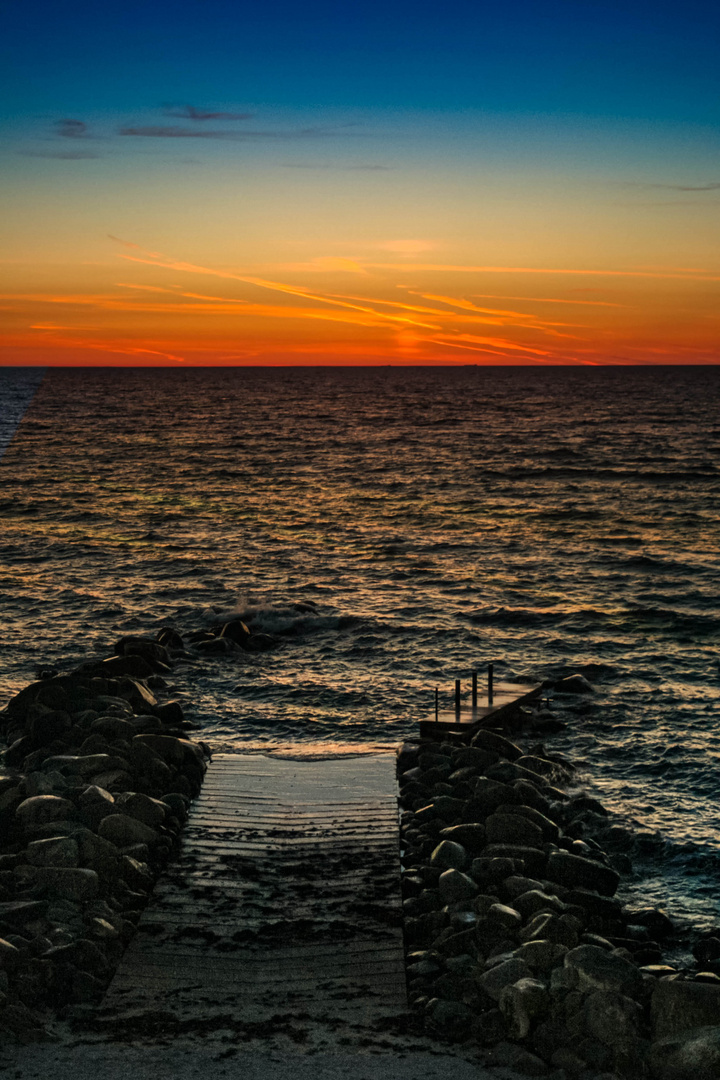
(714,186)
(189,112)
(405,247)
(72,129)
(161,131)
(344,168)
(60,155)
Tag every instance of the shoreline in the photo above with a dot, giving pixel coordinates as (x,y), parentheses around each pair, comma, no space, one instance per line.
(509,898)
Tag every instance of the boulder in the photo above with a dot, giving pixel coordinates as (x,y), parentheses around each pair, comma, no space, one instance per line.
(597,969)
(470,836)
(532,859)
(56,851)
(521,1002)
(540,955)
(82,766)
(495,979)
(682,1004)
(575,870)
(43,809)
(449,856)
(455,886)
(611,1018)
(123,831)
(490,740)
(573,684)
(71,884)
(512,829)
(689,1055)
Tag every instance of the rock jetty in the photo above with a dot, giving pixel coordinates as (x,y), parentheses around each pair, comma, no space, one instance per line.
(515,937)
(98,777)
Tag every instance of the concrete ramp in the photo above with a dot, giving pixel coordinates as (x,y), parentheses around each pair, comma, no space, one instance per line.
(283,912)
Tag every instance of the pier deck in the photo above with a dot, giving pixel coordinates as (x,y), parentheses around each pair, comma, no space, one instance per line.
(284,908)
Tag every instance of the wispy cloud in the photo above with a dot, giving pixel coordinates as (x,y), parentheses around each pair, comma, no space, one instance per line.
(713,186)
(60,155)
(190,112)
(72,129)
(161,131)
(460,269)
(342,168)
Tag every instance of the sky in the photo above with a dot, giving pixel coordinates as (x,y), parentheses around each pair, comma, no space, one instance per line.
(219,183)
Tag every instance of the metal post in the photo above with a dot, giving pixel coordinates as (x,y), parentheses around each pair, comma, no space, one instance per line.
(437,706)
(490,684)
(457,697)
(474,689)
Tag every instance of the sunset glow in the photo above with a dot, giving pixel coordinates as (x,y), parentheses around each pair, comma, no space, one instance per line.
(289,209)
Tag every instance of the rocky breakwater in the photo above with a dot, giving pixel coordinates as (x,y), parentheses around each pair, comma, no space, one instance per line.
(95,788)
(514,934)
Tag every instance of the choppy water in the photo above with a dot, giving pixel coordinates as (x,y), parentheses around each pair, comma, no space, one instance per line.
(549,520)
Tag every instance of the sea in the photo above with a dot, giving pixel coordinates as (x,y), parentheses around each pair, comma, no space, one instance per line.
(394,529)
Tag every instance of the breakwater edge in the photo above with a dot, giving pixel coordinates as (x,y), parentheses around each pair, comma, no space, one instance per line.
(516,938)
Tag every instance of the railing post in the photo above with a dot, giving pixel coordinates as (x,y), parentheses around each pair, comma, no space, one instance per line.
(490,684)
(457,697)
(474,689)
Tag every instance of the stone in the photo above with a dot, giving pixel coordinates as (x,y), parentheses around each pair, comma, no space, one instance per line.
(449,1015)
(532,860)
(507,1055)
(541,954)
(680,1005)
(548,828)
(43,809)
(687,1055)
(454,886)
(82,766)
(471,836)
(573,684)
(487,796)
(492,871)
(474,757)
(10,955)
(150,811)
(534,900)
(521,1002)
(136,874)
(449,856)
(56,851)
(490,740)
(560,929)
(494,980)
(599,970)
(611,1018)
(508,917)
(574,870)
(72,884)
(94,795)
(123,831)
(512,829)
(113,727)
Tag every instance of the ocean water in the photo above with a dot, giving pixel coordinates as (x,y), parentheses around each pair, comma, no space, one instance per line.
(395,528)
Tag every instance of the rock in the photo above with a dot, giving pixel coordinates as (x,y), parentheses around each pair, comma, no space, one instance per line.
(121,830)
(10,955)
(169,638)
(508,917)
(573,870)
(236,631)
(81,766)
(490,740)
(494,981)
(72,884)
(690,1055)
(548,828)
(170,712)
(474,757)
(43,809)
(531,860)
(573,684)
(56,851)
(521,1002)
(512,829)
(451,1016)
(455,886)
(680,1005)
(487,796)
(611,1018)
(509,1056)
(115,780)
(152,651)
(113,727)
(470,836)
(540,955)
(136,874)
(449,856)
(491,871)
(117,666)
(534,900)
(599,970)
(150,811)
(559,929)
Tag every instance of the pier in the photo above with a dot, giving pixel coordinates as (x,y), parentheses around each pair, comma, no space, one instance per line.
(283,910)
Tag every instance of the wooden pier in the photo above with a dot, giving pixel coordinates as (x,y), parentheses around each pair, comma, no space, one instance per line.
(285,903)
(498,703)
